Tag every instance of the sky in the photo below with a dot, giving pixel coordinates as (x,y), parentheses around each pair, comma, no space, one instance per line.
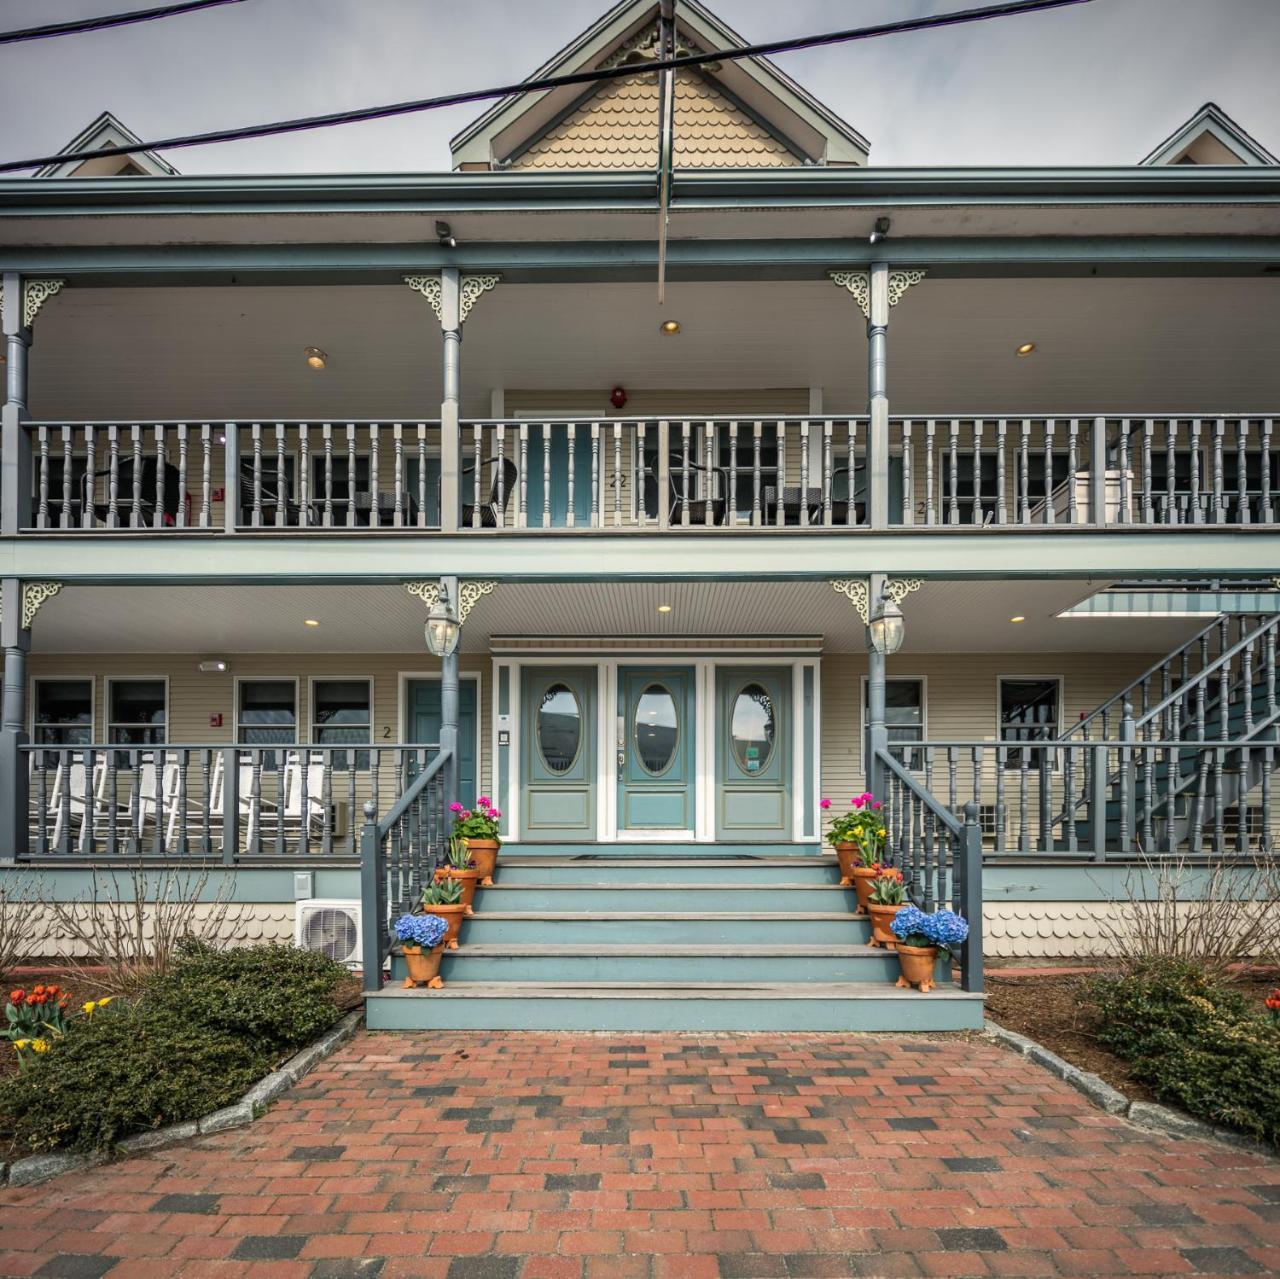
(1101,83)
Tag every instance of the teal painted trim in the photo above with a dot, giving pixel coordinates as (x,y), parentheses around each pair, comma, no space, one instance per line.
(808,776)
(635,259)
(528,555)
(503,753)
(1203,604)
(1087,882)
(701,897)
(264,885)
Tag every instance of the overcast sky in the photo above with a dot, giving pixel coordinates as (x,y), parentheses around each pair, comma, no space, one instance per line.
(1100,83)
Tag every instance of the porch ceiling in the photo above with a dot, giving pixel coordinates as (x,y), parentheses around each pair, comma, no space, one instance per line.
(952,616)
(1146,345)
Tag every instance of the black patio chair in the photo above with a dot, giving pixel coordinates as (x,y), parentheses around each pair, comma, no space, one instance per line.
(501,491)
(173,497)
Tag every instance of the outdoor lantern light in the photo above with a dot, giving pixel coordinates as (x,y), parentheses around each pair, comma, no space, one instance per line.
(442,630)
(887,629)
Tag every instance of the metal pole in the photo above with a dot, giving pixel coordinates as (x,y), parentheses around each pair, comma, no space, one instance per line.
(877,733)
(15,443)
(877,397)
(449,701)
(371,909)
(450,436)
(14,819)
(971,880)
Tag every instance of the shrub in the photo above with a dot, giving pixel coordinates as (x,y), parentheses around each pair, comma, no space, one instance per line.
(192,1041)
(1196,1043)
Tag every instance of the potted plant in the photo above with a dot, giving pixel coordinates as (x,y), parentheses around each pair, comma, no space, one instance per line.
(888,897)
(920,936)
(443,897)
(479,827)
(461,867)
(421,941)
(858,837)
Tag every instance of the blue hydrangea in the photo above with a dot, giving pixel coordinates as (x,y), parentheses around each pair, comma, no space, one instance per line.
(910,919)
(946,928)
(426,931)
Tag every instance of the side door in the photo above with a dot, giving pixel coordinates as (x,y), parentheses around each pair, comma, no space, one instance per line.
(558,753)
(423,720)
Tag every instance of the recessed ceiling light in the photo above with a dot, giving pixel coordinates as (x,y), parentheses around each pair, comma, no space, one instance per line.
(310,621)
(669,328)
(1018,618)
(1025,349)
(316,357)
(664,608)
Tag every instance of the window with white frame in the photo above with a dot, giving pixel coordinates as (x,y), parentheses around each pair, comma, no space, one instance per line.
(904,710)
(267,714)
(1030,711)
(341,715)
(137,711)
(63,712)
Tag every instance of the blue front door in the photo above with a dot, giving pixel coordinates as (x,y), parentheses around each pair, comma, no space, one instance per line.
(753,753)
(558,753)
(423,719)
(655,745)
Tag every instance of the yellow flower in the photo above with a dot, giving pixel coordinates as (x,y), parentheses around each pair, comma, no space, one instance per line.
(102,1003)
(40,1045)
(88,1008)
(21,1043)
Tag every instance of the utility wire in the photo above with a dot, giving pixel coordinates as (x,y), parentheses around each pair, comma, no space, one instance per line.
(106,21)
(1009,9)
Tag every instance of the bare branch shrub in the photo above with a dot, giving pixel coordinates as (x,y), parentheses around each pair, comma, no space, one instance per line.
(131,922)
(21,906)
(1211,913)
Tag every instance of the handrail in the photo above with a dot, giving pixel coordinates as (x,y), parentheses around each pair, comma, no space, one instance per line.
(1122,695)
(1202,675)
(954,826)
(411,793)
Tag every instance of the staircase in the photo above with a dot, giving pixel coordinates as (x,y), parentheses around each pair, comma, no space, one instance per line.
(679,937)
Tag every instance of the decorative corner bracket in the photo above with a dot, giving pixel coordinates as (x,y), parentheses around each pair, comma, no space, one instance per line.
(858,591)
(34,594)
(35,293)
(470,290)
(858,283)
(469,594)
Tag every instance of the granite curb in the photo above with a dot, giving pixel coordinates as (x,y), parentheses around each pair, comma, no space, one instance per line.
(37,1168)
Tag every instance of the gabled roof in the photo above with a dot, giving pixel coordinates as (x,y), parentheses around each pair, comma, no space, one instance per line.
(1211,136)
(744,113)
(106,131)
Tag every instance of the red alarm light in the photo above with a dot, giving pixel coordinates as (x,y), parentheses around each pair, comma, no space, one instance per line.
(618,397)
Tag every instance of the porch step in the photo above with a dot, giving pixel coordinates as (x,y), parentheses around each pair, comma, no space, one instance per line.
(663,927)
(659,1006)
(516,962)
(809,869)
(675,898)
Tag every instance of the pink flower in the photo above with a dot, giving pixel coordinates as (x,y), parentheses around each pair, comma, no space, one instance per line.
(493,812)
(875,803)
(482,801)
(824,803)
(857,801)
(455,807)
(466,812)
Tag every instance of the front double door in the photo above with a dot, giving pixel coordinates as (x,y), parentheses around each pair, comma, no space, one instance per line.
(655,745)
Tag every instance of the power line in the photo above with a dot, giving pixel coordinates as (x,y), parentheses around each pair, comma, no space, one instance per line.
(106,21)
(1009,9)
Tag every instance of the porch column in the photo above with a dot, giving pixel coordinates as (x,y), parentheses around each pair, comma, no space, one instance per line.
(16,640)
(449,698)
(15,445)
(878,411)
(877,733)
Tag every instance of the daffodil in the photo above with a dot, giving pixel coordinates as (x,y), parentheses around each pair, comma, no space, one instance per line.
(88,1008)
(40,1045)
(103,1002)
(21,1043)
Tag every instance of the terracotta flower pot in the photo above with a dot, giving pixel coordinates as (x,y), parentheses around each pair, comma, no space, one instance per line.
(881,918)
(484,852)
(862,877)
(467,878)
(424,966)
(452,915)
(846,855)
(919,966)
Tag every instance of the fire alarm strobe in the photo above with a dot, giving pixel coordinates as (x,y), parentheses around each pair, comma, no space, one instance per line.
(618,397)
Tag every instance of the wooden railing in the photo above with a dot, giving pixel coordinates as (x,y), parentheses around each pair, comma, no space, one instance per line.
(610,473)
(225,802)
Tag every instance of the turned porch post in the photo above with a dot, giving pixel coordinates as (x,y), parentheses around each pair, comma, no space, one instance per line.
(15,444)
(878,397)
(877,732)
(450,438)
(449,698)
(16,640)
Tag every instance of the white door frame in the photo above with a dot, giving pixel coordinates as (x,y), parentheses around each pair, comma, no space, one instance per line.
(606,663)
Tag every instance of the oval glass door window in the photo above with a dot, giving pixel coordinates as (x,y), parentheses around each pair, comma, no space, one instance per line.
(559,728)
(752,728)
(656,729)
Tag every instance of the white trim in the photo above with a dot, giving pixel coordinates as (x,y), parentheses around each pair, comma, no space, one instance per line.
(109,680)
(91,680)
(302,731)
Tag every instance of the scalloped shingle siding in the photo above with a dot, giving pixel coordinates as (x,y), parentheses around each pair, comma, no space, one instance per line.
(617,128)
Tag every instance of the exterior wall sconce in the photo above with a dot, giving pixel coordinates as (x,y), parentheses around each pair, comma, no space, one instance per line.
(887,629)
(214,666)
(442,629)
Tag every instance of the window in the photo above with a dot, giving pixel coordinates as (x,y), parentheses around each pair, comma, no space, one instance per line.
(63,713)
(559,728)
(1029,712)
(904,711)
(267,714)
(341,714)
(752,729)
(137,711)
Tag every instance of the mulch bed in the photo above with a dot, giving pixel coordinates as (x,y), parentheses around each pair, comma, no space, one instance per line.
(1056,1010)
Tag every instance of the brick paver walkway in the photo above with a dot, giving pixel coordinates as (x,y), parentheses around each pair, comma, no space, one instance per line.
(537,1156)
